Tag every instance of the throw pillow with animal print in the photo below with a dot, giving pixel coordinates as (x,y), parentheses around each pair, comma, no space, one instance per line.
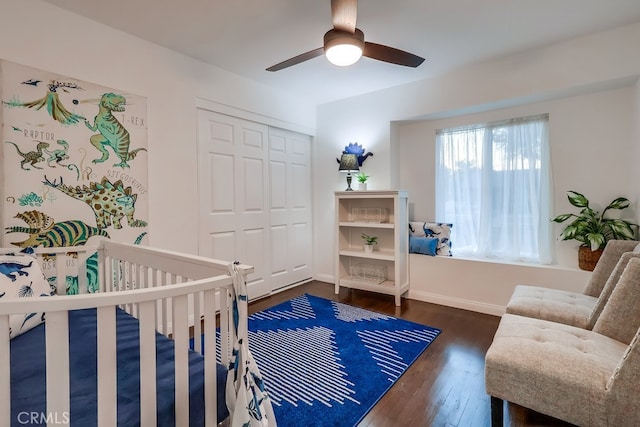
(21,277)
(442,231)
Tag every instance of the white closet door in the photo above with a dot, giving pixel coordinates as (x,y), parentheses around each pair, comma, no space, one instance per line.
(233,186)
(254,185)
(290,207)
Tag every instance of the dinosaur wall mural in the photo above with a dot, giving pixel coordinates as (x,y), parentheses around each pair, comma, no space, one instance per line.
(112,133)
(31,157)
(45,232)
(110,202)
(73,161)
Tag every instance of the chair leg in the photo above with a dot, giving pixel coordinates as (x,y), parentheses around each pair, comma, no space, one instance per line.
(497,412)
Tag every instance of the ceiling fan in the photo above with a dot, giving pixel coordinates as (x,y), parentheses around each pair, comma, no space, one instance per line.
(344,44)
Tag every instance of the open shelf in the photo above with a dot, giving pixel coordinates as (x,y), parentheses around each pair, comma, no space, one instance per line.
(366,224)
(391,251)
(388,255)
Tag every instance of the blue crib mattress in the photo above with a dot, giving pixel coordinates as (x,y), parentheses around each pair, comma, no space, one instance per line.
(28,389)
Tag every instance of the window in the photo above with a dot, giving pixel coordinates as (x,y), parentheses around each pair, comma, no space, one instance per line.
(493,182)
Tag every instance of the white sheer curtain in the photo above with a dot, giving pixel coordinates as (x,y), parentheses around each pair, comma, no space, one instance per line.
(493,182)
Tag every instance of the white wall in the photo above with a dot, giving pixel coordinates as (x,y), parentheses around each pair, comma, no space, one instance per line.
(40,35)
(483,286)
(635,148)
(601,67)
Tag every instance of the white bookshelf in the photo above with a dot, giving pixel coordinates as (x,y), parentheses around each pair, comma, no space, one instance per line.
(377,213)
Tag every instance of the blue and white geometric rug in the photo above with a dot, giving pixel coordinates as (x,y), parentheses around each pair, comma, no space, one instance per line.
(327,364)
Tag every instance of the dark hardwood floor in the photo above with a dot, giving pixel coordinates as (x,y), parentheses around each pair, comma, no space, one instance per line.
(445,385)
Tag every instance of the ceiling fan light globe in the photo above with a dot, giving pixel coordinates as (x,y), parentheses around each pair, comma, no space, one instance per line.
(343,48)
(343,55)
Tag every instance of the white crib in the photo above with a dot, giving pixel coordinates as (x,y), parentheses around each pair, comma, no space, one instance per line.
(168,292)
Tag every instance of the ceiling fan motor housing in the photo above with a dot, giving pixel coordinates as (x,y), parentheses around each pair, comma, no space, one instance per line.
(335,37)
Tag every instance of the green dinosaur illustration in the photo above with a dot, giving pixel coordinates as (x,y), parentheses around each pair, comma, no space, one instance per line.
(112,133)
(109,201)
(59,154)
(32,157)
(44,231)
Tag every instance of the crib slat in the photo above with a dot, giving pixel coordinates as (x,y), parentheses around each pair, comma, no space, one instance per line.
(107,367)
(107,282)
(5,372)
(57,359)
(122,268)
(165,316)
(147,319)
(83,283)
(144,276)
(180,309)
(197,322)
(138,285)
(103,268)
(225,322)
(128,282)
(161,308)
(111,275)
(116,274)
(61,273)
(210,380)
(165,303)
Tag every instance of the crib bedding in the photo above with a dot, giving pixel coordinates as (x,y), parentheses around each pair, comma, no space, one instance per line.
(28,374)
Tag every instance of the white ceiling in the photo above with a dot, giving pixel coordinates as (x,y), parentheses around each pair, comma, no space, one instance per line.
(247,36)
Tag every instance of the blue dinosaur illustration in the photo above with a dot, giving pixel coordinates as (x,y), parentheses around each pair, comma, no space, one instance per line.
(13,270)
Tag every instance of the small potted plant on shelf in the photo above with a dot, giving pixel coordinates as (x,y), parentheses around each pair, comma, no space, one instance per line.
(362,181)
(593,230)
(369,241)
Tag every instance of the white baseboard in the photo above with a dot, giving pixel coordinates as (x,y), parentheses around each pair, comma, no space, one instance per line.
(328,278)
(480,307)
(465,304)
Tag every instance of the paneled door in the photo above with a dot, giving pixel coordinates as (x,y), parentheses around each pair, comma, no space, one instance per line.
(290,204)
(254,183)
(233,186)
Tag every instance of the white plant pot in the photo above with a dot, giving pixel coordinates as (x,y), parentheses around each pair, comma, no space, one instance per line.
(368,248)
(362,186)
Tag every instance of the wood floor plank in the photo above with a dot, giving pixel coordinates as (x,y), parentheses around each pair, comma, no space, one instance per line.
(445,385)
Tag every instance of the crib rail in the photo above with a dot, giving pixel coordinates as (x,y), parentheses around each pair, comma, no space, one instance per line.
(167,291)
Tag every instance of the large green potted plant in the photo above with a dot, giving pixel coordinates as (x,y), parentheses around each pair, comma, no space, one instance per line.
(592,229)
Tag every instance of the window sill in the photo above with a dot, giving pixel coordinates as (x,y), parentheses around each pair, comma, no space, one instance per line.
(501,262)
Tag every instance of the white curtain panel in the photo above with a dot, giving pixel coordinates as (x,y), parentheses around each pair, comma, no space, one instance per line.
(493,182)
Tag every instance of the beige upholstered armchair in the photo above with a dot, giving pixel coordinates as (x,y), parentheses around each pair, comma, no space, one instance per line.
(585,377)
(571,308)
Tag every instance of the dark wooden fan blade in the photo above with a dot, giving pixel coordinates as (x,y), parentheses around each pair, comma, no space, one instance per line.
(297,59)
(391,55)
(344,14)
